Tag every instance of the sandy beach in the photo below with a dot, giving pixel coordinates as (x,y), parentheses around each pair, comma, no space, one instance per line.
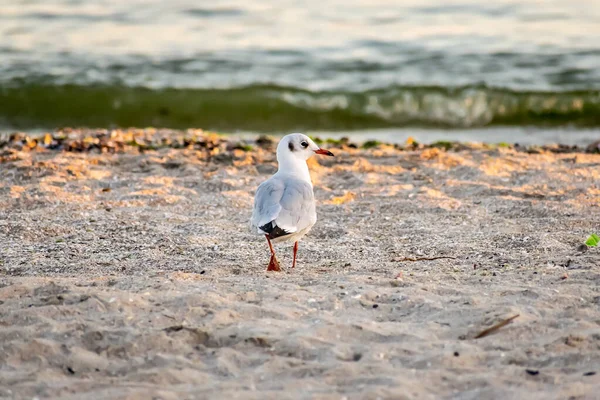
(128,271)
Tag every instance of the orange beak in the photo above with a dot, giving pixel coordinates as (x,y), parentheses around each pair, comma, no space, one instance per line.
(324,152)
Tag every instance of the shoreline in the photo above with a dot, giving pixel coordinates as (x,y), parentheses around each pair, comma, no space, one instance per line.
(117,140)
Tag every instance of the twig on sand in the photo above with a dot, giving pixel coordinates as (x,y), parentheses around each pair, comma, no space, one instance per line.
(494,328)
(422,258)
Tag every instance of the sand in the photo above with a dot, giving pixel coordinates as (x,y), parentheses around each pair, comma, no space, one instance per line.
(133,275)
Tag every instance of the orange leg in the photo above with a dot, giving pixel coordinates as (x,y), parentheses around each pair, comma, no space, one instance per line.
(295,252)
(273,263)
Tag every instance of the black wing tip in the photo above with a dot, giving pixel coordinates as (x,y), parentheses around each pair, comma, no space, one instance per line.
(273,230)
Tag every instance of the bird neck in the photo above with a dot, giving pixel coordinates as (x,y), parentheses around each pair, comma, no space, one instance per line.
(294,167)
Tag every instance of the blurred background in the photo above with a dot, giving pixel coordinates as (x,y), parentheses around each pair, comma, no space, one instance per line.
(499,70)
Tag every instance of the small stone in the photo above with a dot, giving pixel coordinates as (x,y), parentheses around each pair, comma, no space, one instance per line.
(568,263)
(264,141)
(593,147)
(532,371)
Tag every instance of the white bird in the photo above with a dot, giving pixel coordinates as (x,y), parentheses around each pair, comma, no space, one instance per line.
(284,204)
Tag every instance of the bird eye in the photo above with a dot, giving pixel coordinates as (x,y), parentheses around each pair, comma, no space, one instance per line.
(304,144)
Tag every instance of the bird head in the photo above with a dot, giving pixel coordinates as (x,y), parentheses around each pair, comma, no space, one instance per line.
(299,146)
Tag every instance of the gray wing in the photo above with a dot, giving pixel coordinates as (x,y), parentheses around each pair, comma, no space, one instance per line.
(287,203)
(297,207)
(266,202)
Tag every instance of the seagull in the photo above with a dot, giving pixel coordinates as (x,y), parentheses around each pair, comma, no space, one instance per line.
(284,204)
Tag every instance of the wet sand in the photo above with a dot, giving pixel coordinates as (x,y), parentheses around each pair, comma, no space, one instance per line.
(127,271)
